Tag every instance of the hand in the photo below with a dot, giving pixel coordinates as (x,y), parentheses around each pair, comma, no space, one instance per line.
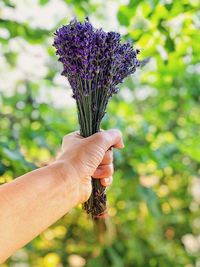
(86,157)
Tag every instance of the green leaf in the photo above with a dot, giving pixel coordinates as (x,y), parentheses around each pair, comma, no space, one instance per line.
(169,44)
(43,2)
(124,15)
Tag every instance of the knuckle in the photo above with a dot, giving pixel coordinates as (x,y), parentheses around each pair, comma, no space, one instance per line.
(100,137)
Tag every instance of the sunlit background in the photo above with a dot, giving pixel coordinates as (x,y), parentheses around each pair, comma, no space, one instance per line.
(155,197)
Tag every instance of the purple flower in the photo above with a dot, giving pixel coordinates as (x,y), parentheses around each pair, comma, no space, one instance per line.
(94,57)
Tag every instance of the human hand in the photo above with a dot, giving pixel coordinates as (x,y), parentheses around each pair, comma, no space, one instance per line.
(82,158)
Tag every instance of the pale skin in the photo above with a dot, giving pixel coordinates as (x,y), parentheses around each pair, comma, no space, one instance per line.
(34,201)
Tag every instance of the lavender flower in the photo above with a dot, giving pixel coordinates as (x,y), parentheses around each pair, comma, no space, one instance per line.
(87,53)
(94,62)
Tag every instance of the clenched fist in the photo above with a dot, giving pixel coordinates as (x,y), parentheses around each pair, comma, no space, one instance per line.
(86,157)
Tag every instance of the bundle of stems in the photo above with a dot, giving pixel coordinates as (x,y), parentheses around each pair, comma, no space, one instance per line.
(91,110)
(94,62)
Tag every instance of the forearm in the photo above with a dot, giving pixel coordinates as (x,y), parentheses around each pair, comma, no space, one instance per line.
(30,204)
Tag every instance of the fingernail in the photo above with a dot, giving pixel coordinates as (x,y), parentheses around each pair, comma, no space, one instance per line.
(107,180)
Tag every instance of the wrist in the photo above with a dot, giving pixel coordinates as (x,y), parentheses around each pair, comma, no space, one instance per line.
(64,175)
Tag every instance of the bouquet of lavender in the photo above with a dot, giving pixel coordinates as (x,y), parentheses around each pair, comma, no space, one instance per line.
(94,62)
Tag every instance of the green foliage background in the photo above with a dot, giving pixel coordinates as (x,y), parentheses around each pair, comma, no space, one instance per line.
(155,197)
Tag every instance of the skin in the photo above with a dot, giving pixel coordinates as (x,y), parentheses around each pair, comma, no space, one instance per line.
(36,200)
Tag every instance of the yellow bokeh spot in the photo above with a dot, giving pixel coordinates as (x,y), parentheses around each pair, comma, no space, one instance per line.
(168,170)
(143,209)
(174,182)
(112,211)
(6,178)
(175,203)
(35,125)
(121,204)
(163,191)
(151,166)
(169,137)
(166,208)
(181,121)
(162,139)
(60,231)
(44,155)
(147,167)
(51,260)
(48,235)
(2,180)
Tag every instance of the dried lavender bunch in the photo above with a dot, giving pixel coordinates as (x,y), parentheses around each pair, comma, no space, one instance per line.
(94,62)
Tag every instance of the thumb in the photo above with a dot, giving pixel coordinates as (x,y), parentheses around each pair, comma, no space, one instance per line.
(108,139)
